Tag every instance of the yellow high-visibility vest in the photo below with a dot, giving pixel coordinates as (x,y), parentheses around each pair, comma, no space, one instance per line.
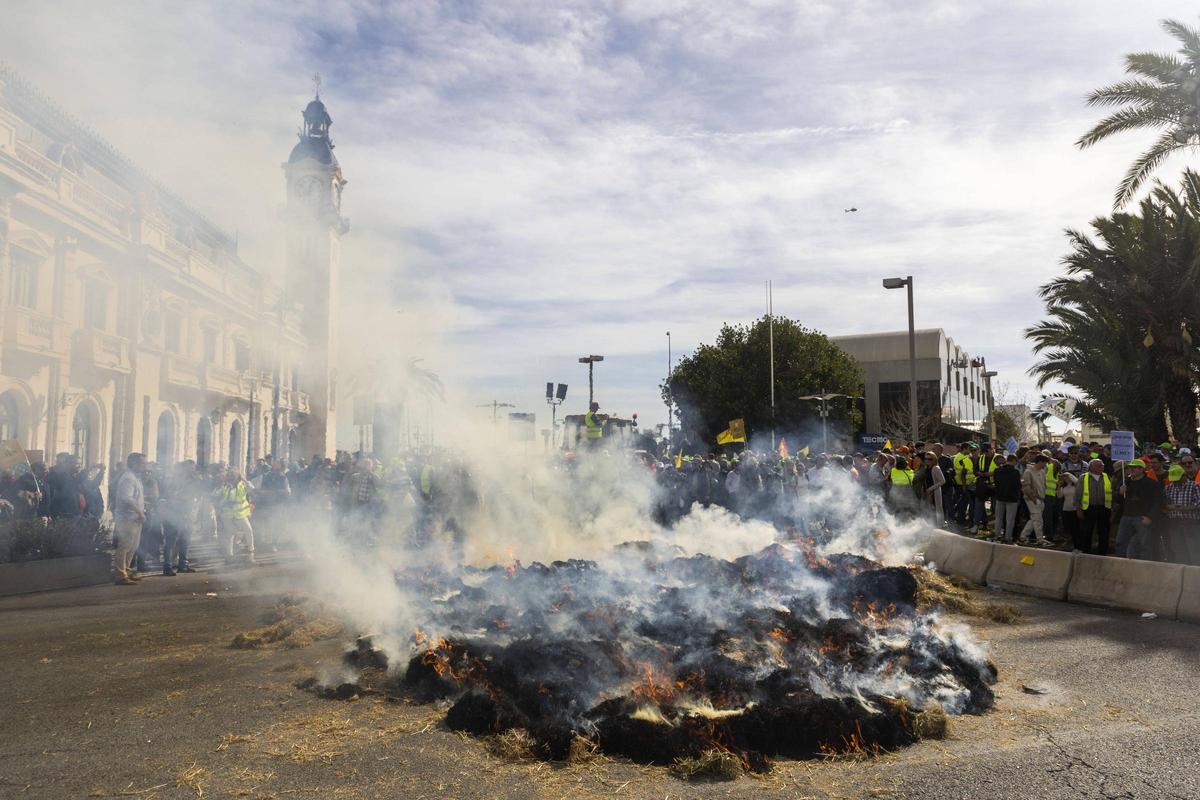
(235,501)
(427,481)
(902,477)
(1087,482)
(964,469)
(594,429)
(1051,480)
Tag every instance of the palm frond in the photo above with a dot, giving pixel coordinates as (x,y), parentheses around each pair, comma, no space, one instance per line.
(1156,66)
(1127,119)
(1188,36)
(1146,163)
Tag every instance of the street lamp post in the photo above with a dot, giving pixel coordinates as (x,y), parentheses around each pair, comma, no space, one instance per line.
(670,404)
(825,397)
(898,283)
(591,362)
(495,406)
(981,362)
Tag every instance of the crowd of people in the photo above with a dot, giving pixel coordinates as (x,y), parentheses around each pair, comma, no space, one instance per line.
(1068,496)
(1061,495)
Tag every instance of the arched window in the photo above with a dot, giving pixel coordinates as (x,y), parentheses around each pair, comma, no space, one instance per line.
(204,434)
(10,420)
(164,450)
(237,452)
(85,434)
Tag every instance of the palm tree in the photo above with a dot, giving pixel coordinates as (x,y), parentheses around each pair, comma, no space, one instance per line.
(1120,320)
(1163,94)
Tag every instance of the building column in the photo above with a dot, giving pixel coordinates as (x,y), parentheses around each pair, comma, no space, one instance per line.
(187,452)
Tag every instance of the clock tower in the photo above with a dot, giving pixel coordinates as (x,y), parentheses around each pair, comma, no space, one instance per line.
(315,226)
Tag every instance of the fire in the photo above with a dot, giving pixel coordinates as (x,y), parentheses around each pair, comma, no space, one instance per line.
(871,613)
(780,634)
(814,561)
(652,686)
(854,744)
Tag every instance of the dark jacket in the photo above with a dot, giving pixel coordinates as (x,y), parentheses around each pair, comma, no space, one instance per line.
(1007,483)
(1143,498)
(65,494)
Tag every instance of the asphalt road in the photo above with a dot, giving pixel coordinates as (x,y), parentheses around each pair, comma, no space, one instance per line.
(133,691)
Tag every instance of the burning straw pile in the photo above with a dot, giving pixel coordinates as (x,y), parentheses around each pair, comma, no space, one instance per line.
(699,661)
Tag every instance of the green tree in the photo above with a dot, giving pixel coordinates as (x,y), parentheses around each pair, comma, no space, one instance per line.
(1119,322)
(1162,94)
(1005,427)
(730,379)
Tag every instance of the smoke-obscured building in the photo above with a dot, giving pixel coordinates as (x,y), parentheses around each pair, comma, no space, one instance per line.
(951,390)
(128,322)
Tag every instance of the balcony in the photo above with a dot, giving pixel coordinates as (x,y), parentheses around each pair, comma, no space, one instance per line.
(102,350)
(180,371)
(32,332)
(223,380)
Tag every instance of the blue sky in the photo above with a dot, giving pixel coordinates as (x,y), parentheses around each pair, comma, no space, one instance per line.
(532,181)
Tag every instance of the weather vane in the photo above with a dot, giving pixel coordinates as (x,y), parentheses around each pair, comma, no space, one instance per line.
(317,84)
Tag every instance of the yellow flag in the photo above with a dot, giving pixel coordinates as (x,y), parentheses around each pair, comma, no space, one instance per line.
(804,451)
(679,459)
(887,445)
(725,437)
(737,428)
(783,451)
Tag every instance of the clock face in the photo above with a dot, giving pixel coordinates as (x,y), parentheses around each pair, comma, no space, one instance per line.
(308,189)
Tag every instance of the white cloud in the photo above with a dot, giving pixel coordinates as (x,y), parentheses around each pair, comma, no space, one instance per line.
(539,180)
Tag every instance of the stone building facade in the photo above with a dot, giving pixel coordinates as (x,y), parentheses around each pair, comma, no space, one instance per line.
(128,322)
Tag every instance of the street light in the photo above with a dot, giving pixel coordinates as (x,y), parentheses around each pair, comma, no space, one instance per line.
(899,283)
(825,397)
(591,362)
(670,405)
(495,406)
(981,363)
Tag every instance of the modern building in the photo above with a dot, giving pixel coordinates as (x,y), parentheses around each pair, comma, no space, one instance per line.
(951,390)
(128,322)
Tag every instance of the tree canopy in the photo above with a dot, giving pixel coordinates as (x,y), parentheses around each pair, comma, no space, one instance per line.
(1162,94)
(730,379)
(1119,322)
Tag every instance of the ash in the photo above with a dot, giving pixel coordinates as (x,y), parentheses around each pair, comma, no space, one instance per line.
(658,656)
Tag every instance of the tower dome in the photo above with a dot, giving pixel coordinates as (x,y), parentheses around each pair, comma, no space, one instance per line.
(315,142)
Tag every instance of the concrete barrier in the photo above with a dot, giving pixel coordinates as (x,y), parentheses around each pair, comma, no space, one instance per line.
(1041,573)
(1189,596)
(1126,583)
(55,573)
(970,558)
(939,547)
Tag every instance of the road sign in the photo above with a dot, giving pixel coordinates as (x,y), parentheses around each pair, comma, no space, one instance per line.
(1122,446)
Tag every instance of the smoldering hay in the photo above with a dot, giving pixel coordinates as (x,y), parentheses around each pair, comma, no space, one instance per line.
(658,653)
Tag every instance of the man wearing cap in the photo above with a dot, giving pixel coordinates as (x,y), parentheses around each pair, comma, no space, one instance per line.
(1141,501)
(1033,489)
(1183,512)
(1094,510)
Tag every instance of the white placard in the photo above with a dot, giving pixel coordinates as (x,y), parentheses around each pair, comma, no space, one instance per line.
(1122,446)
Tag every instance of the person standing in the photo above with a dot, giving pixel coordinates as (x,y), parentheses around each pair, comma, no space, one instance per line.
(271,503)
(1033,489)
(1006,483)
(179,498)
(233,500)
(1141,501)
(1052,505)
(1068,501)
(1094,510)
(594,426)
(1183,513)
(130,513)
(934,481)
